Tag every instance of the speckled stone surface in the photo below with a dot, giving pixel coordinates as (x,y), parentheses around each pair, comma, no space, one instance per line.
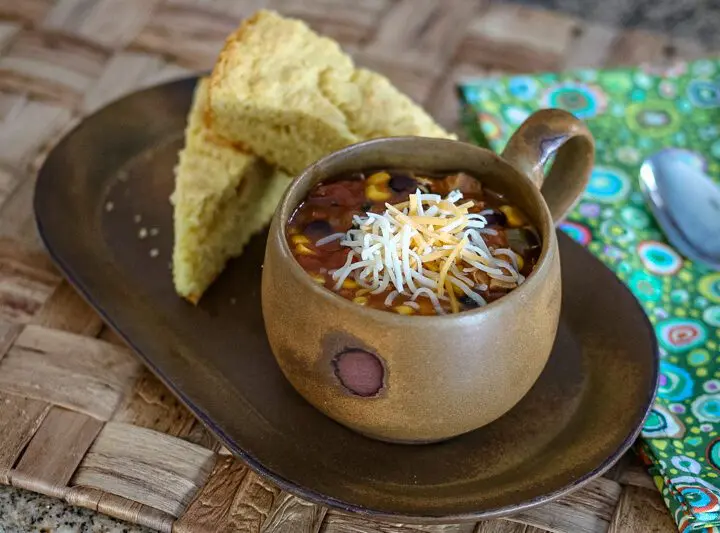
(22,511)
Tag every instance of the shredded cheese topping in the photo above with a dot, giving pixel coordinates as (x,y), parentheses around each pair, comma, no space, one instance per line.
(428,246)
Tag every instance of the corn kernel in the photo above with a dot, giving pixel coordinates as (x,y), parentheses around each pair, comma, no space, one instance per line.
(378,178)
(299,239)
(349,284)
(404,310)
(301,249)
(520,262)
(362,292)
(318,278)
(376,194)
(514,218)
(360,300)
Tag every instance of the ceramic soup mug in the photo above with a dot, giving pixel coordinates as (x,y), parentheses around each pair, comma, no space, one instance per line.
(416,379)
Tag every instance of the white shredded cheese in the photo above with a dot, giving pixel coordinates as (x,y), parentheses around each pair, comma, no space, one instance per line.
(391,298)
(423,247)
(329,239)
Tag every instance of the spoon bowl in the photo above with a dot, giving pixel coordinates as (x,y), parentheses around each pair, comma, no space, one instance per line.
(686,204)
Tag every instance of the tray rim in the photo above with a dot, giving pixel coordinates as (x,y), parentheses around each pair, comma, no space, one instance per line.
(294,488)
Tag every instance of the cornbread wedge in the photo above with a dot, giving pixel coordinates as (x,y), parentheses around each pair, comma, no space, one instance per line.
(223,195)
(293,97)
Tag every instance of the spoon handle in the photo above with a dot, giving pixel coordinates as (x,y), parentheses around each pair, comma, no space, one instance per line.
(556,132)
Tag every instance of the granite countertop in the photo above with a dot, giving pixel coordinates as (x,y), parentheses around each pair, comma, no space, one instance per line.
(25,511)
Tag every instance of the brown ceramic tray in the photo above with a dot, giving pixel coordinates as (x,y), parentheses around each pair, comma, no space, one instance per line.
(111,177)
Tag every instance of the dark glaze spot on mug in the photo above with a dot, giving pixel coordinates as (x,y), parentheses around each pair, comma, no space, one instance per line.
(360,372)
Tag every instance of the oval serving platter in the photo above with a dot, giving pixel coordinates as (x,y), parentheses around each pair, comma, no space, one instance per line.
(113,175)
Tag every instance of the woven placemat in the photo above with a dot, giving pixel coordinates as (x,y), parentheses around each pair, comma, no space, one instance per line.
(80,418)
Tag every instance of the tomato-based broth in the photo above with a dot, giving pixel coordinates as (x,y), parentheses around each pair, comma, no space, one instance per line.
(413,244)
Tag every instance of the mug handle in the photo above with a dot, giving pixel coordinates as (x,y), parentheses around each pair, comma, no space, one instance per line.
(547,132)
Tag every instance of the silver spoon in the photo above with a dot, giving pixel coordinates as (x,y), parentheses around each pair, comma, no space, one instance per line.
(686,205)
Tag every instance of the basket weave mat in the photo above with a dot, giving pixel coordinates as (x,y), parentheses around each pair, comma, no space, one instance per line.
(80,419)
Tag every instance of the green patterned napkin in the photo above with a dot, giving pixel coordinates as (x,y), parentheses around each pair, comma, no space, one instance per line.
(633,113)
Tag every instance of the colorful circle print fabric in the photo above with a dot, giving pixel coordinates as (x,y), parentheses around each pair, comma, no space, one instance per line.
(632,114)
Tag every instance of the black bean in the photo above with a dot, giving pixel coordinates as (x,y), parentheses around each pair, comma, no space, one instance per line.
(496,218)
(532,237)
(522,240)
(356,176)
(466,301)
(367,206)
(318,229)
(402,182)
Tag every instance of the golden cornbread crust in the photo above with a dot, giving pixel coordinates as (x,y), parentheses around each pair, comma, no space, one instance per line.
(223,195)
(293,96)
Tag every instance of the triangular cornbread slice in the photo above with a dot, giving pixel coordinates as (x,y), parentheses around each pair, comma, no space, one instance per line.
(293,96)
(223,195)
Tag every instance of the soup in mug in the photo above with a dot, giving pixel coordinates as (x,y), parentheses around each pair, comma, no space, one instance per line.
(410,244)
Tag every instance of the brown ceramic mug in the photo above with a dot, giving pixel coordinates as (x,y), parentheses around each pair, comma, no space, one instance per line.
(417,379)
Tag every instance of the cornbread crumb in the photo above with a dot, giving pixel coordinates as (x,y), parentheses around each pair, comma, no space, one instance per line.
(292,96)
